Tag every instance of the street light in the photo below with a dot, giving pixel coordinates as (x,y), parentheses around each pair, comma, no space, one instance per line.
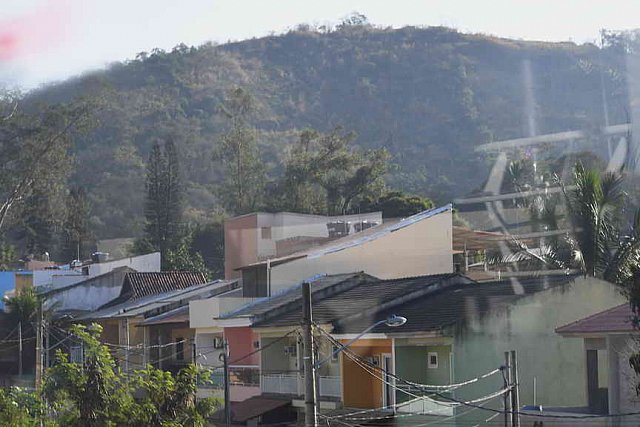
(392,321)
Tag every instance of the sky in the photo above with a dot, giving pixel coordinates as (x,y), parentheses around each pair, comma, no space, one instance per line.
(44,41)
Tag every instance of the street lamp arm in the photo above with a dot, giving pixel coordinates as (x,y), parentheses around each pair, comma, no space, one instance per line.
(392,321)
(351,341)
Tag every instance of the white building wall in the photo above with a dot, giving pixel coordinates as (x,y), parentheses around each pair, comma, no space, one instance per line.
(422,248)
(141,263)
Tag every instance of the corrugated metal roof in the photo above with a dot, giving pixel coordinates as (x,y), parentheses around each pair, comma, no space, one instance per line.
(614,320)
(355,239)
(179,315)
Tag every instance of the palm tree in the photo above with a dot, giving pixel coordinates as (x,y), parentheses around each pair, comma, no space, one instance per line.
(22,310)
(595,245)
(594,208)
(23,306)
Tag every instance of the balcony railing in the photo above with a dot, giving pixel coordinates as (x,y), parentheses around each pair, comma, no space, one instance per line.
(293,384)
(248,376)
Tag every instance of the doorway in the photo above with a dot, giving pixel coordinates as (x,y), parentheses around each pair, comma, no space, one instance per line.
(388,385)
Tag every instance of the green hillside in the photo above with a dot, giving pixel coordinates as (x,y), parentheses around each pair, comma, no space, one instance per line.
(429,95)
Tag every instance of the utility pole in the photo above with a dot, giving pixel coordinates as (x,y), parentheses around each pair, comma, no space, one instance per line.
(507,384)
(515,395)
(227,399)
(310,415)
(20,349)
(39,352)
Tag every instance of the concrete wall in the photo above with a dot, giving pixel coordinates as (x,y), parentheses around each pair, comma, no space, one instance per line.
(622,392)
(142,263)
(528,326)
(251,238)
(274,358)
(360,389)
(203,312)
(411,364)
(241,341)
(240,244)
(7,283)
(91,295)
(418,249)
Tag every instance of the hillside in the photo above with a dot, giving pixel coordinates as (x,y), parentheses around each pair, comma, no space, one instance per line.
(428,95)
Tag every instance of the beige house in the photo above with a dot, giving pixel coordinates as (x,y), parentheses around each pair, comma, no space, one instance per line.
(260,236)
(609,338)
(419,245)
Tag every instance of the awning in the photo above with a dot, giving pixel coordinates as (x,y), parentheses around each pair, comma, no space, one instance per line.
(255,407)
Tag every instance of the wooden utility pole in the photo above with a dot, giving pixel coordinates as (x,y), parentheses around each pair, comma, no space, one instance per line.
(20,349)
(507,384)
(310,415)
(515,395)
(39,348)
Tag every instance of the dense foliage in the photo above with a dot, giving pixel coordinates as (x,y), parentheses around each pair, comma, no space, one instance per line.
(428,96)
(95,393)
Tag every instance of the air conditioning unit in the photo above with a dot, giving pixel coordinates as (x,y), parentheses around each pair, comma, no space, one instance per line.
(291,350)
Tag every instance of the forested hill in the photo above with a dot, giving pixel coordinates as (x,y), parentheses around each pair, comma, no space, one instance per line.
(429,95)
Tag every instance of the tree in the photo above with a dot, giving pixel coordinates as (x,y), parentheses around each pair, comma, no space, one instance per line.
(182,257)
(396,204)
(208,241)
(163,203)
(21,408)
(95,393)
(597,244)
(22,309)
(8,256)
(238,155)
(91,393)
(328,163)
(76,230)
(34,149)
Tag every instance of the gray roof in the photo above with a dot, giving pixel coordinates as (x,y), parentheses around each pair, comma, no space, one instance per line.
(152,304)
(367,296)
(454,305)
(293,294)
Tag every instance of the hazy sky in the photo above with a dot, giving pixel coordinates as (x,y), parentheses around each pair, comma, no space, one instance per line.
(47,40)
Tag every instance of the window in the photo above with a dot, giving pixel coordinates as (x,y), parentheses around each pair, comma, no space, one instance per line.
(432,360)
(266,232)
(179,349)
(76,354)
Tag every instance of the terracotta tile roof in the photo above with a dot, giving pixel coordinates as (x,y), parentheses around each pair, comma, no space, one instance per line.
(137,285)
(614,320)
(144,284)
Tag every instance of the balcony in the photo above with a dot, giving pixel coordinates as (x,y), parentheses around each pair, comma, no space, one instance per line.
(293,385)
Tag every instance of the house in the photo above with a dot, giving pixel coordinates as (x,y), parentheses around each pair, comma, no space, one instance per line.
(62,276)
(260,236)
(418,245)
(609,338)
(144,295)
(456,331)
